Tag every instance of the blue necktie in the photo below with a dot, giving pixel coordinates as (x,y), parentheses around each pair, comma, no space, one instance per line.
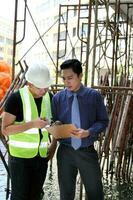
(75,119)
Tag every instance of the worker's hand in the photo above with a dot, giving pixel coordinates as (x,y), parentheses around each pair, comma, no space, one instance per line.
(40,123)
(80,133)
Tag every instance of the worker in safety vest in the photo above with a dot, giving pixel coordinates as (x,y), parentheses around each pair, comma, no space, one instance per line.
(26,114)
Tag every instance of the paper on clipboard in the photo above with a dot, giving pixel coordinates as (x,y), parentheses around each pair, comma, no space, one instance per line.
(61,131)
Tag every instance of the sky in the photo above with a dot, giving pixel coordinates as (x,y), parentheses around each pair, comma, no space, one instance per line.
(7,8)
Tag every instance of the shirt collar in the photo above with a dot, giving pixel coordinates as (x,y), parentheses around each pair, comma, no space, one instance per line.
(80,92)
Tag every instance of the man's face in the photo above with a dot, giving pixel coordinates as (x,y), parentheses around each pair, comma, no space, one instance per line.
(71,80)
(37,92)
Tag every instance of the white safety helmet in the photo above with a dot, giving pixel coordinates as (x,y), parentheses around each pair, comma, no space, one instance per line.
(38,75)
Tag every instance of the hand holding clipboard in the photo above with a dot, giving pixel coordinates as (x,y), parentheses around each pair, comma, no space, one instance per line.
(61,131)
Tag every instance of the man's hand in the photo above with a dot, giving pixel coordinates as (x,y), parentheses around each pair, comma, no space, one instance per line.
(51,149)
(80,133)
(40,123)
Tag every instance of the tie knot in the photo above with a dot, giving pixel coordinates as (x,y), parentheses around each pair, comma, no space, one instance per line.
(75,94)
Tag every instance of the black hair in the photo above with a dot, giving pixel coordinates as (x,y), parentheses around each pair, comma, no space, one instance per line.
(73,64)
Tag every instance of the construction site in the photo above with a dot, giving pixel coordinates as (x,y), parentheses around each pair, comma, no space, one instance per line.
(103,42)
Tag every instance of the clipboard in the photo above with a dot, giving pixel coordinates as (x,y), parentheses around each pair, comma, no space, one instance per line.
(61,131)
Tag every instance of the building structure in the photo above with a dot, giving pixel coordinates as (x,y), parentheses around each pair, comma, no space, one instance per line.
(6,40)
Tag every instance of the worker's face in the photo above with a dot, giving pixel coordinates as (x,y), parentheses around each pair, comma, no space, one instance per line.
(37,92)
(71,80)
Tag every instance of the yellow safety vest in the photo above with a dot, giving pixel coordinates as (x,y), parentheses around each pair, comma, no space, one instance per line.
(28,144)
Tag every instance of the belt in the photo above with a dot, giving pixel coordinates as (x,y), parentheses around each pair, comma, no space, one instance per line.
(89,148)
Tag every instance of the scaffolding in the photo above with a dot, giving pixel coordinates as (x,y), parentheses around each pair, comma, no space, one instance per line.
(106,36)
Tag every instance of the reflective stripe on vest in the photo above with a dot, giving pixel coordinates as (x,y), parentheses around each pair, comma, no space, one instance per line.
(28,144)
